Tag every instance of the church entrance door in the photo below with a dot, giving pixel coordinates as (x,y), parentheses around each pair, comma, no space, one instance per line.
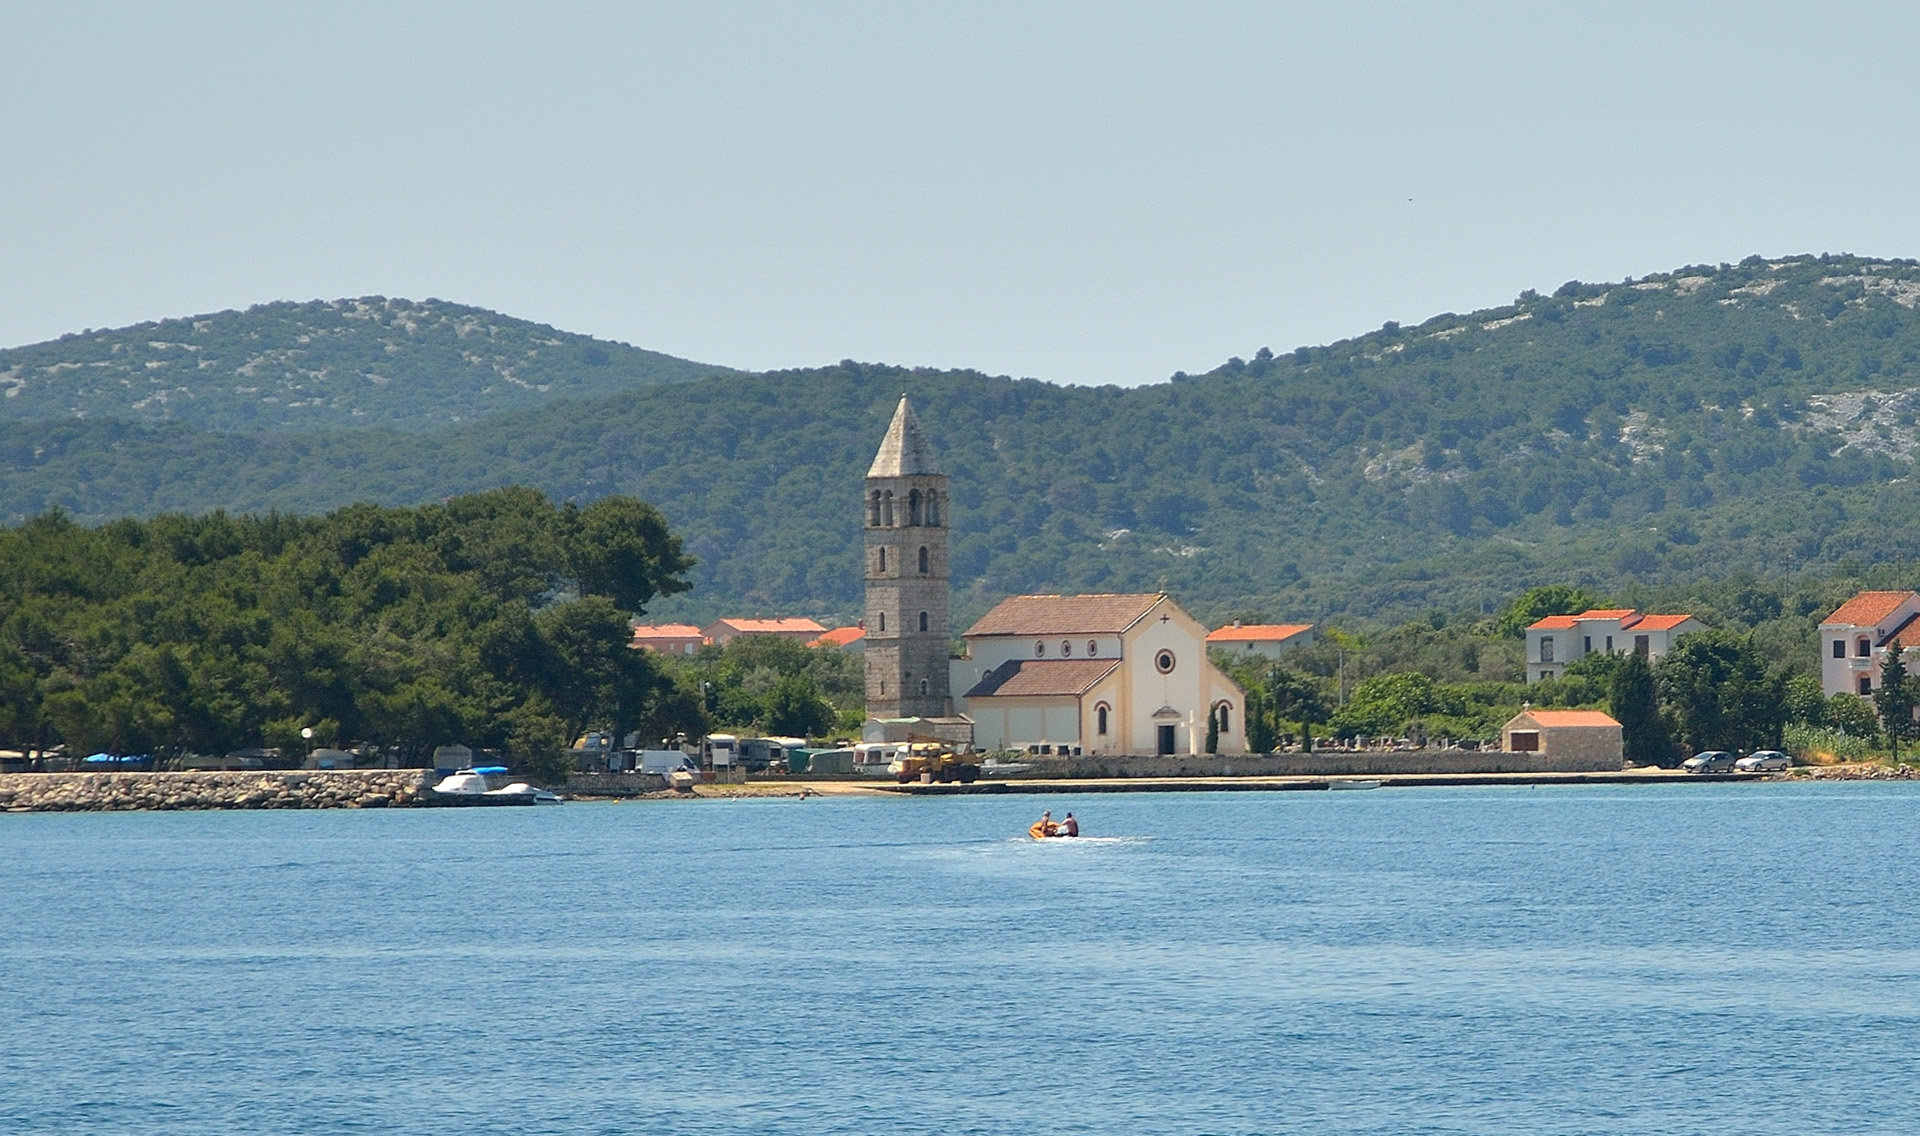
(1165,740)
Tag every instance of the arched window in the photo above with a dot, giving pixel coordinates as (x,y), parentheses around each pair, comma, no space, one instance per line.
(873,510)
(933,507)
(923,560)
(883,621)
(923,688)
(883,561)
(913,507)
(1223,714)
(886,509)
(1039,650)
(1100,719)
(923,621)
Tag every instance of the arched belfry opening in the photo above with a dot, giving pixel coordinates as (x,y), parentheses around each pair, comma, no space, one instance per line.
(907,587)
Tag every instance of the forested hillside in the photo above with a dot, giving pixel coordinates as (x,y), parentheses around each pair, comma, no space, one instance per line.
(1626,437)
(367,362)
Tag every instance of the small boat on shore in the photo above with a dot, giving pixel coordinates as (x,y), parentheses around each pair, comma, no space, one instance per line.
(470,787)
(1352,783)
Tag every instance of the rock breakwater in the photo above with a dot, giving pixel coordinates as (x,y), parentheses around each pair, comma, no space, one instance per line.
(233,789)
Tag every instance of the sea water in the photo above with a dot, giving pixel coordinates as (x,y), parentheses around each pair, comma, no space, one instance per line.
(1726,958)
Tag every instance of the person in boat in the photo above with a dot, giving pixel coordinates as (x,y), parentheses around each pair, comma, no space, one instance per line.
(1069,826)
(1044,827)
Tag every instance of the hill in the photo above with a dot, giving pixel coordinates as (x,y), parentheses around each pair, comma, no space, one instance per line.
(373,361)
(1627,437)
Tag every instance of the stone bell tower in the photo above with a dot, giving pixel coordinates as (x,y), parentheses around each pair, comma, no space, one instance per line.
(906,528)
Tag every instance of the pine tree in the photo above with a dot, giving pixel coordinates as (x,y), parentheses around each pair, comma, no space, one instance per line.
(1894,698)
(1213,730)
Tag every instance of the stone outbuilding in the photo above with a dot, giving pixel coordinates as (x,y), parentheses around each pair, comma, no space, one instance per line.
(1566,741)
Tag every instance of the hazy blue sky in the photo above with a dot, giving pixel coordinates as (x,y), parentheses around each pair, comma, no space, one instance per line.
(1078,193)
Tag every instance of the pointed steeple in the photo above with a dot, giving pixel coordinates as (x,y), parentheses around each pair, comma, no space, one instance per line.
(904,451)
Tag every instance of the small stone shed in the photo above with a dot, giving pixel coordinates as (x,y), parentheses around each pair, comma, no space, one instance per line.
(1566,741)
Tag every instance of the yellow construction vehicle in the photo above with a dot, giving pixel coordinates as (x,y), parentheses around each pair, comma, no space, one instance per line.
(935,759)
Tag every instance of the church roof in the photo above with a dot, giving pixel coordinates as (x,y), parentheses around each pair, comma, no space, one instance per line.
(904,451)
(1064,615)
(1038,678)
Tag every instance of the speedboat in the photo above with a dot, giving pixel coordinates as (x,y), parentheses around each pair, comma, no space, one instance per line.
(469,787)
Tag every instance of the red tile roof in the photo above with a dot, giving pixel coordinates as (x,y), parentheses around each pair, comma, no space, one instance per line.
(1906,635)
(1660,622)
(1554,623)
(839,637)
(1064,615)
(1624,614)
(1257,632)
(769,626)
(1570,717)
(643,631)
(1868,608)
(1042,678)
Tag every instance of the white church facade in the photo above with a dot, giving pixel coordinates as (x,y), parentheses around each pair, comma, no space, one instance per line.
(1094,674)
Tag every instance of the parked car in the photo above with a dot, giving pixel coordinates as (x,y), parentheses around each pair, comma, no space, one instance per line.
(1764,761)
(1709,761)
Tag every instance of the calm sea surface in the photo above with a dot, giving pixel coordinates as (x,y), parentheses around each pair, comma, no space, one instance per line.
(1726,959)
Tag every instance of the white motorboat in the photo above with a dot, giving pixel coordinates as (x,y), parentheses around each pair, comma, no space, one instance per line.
(995,768)
(1352,783)
(470,787)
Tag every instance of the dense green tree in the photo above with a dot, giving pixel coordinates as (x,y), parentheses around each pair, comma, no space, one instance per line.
(1893,697)
(1634,703)
(1722,692)
(1535,604)
(479,619)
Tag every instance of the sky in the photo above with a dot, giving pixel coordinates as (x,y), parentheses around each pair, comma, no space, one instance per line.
(1079,193)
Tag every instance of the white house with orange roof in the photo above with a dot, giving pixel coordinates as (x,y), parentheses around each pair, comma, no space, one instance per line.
(1269,639)
(1557,640)
(1857,636)
(1094,674)
(668,638)
(724,631)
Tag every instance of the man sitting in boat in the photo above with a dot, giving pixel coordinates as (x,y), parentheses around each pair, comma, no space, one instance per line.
(1069,826)
(1044,827)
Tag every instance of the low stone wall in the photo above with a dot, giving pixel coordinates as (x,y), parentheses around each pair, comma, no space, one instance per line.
(1320,763)
(231,789)
(613,784)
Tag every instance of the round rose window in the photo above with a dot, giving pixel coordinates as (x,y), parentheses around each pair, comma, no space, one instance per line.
(1164,662)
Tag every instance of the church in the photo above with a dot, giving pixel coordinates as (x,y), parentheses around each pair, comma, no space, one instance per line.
(1058,675)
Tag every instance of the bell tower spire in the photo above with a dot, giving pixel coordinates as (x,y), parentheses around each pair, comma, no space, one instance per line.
(906,545)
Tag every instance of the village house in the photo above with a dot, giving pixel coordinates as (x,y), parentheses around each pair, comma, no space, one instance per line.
(1094,674)
(1269,639)
(852,638)
(1566,740)
(1856,637)
(723,631)
(1557,640)
(668,638)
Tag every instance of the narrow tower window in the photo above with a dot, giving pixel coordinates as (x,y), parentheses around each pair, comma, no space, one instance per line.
(923,621)
(883,621)
(933,507)
(886,509)
(913,507)
(873,510)
(923,560)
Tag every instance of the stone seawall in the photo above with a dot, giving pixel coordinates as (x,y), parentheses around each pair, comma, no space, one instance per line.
(231,789)
(1320,763)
